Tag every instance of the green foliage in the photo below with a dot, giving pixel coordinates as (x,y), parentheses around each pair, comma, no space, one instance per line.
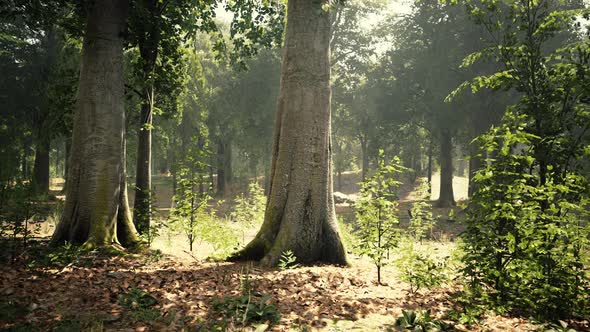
(524,240)
(420,321)
(421,270)
(560,326)
(249,209)
(348,235)
(288,261)
(421,220)
(64,255)
(249,307)
(155,226)
(527,221)
(376,213)
(191,211)
(140,304)
(17,209)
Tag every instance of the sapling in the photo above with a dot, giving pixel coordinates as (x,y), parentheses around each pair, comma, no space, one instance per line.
(377,212)
(190,206)
(421,220)
(249,209)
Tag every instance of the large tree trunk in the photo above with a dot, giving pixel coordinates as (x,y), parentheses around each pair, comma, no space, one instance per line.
(446,198)
(41,166)
(300,214)
(96,211)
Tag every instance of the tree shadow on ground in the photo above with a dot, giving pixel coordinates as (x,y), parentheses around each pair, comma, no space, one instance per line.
(309,296)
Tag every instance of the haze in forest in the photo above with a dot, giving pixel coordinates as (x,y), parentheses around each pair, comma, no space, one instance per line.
(262,165)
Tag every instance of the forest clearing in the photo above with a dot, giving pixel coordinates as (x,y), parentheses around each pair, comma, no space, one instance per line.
(82,291)
(295,165)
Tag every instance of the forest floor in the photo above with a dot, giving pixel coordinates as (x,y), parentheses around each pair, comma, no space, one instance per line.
(171,290)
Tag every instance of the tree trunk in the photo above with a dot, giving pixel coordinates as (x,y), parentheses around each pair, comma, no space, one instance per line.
(41,166)
(227,165)
(143,174)
(148,50)
(300,214)
(365,159)
(224,166)
(429,175)
(67,163)
(96,211)
(221,168)
(24,160)
(446,198)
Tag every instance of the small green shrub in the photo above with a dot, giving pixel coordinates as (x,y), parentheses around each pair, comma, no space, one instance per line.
(247,309)
(17,209)
(249,209)
(421,270)
(140,305)
(288,261)
(560,326)
(348,235)
(68,253)
(421,220)
(420,321)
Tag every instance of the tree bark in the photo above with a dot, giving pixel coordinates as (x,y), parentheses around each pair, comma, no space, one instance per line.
(143,174)
(224,166)
(300,214)
(446,198)
(364,158)
(148,50)
(67,163)
(96,211)
(41,165)
(221,168)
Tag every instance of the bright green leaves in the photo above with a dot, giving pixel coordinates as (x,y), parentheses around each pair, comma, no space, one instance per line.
(255,25)
(376,212)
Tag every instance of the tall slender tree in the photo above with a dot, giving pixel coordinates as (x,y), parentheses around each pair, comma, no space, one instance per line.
(300,214)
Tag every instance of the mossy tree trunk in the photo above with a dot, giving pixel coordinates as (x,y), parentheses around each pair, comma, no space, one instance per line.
(300,214)
(96,211)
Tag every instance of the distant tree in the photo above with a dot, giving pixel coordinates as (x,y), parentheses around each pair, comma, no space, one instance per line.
(300,214)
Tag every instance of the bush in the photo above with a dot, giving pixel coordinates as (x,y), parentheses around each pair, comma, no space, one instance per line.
(140,304)
(525,240)
(421,220)
(17,208)
(420,321)
(248,308)
(421,270)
